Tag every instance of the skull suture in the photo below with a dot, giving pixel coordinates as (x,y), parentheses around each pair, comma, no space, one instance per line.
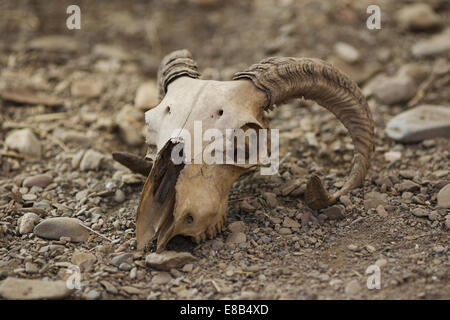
(190,198)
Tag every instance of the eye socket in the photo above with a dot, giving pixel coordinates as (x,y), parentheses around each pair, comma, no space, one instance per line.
(220,112)
(168,109)
(189,218)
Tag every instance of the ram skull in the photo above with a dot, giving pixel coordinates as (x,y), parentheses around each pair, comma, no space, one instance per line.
(190,198)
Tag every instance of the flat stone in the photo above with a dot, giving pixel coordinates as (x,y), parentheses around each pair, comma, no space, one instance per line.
(87,88)
(352,288)
(420,212)
(436,45)
(285,231)
(129,121)
(25,142)
(91,160)
(161,278)
(27,222)
(55,43)
(418,17)
(271,199)
(381,262)
(55,228)
(392,156)
(237,226)
(83,259)
(237,237)
(124,257)
(346,52)
(119,196)
(110,51)
(420,123)
(289,223)
(29,197)
(407,185)
(27,289)
(374,199)
(335,212)
(39,180)
(168,259)
(443,197)
(109,287)
(31,268)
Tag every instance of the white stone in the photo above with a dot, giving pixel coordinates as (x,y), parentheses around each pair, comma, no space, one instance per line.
(420,123)
(443,197)
(27,222)
(91,160)
(146,96)
(346,52)
(25,142)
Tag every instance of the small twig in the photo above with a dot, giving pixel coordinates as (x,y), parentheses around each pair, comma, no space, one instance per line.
(95,232)
(216,286)
(16,155)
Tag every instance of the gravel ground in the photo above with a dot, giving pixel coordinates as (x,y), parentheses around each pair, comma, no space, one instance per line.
(68,101)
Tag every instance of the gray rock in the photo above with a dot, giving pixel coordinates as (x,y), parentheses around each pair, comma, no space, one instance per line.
(39,180)
(420,123)
(94,295)
(237,226)
(237,237)
(436,45)
(31,268)
(407,185)
(29,197)
(353,247)
(271,199)
(55,228)
(352,288)
(146,96)
(83,259)
(27,289)
(119,196)
(374,199)
(110,51)
(418,17)
(91,160)
(443,197)
(27,222)
(439,249)
(87,88)
(335,212)
(25,142)
(55,43)
(289,223)
(161,278)
(167,260)
(124,257)
(285,231)
(346,52)
(129,121)
(420,212)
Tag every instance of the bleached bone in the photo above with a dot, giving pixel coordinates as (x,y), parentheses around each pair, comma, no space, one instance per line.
(191,199)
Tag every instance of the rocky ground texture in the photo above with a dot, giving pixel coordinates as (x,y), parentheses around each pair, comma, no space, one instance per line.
(68,98)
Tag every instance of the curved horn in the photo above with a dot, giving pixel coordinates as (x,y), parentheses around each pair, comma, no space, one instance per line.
(285,78)
(176,64)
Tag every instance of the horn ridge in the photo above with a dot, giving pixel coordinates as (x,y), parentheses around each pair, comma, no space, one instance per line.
(285,78)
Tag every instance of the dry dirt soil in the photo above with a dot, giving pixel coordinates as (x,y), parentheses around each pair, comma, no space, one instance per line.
(289,251)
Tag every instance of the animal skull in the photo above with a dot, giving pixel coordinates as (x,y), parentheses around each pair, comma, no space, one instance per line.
(191,198)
